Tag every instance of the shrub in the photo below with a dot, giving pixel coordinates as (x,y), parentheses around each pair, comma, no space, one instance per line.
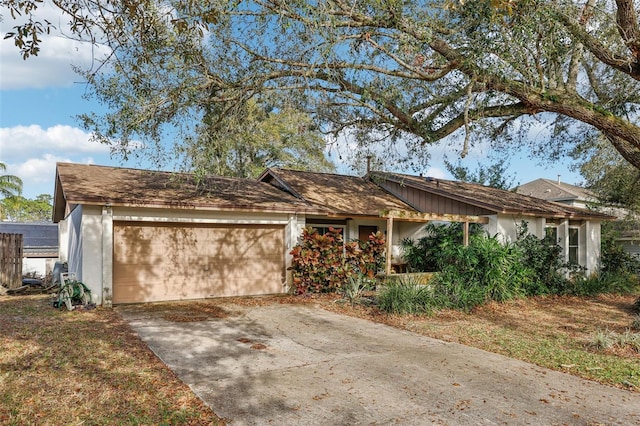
(604,340)
(405,296)
(485,270)
(424,254)
(324,263)
(635,324)
(355,286)
(618,273)
(543,258)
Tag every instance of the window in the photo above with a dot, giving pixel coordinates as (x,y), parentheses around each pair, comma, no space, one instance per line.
(324,229)
(364,231)
(573,245)
(551,235)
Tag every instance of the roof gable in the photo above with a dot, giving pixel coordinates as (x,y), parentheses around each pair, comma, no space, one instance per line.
(100,185)
(550,190)
(338,194)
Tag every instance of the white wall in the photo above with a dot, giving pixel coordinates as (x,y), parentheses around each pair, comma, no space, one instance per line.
(37,265)
(293,231)
(592,246)
(73,242)
(506,227)
(63,240)
(91,257)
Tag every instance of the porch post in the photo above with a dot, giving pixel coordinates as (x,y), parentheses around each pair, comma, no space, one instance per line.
(465,234)
(107,256)
(387,269)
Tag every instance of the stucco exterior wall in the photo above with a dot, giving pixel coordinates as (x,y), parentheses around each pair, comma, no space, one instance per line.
(292,234)
(506,227)
(63,240)
(74,242)
(90,252)
(592,247)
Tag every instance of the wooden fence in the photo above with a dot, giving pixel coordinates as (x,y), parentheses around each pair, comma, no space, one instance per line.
(11,260)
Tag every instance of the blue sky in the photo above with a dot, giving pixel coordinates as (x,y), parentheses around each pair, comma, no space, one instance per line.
(40,97)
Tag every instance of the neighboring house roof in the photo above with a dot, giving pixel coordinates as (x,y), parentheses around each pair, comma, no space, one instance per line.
(489,199)
(100,185)
(550,190)
(38,239)
(338,194)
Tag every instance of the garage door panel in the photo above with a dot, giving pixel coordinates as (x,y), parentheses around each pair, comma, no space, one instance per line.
(172,262)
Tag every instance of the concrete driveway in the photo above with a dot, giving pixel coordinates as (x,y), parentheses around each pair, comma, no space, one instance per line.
(301,365)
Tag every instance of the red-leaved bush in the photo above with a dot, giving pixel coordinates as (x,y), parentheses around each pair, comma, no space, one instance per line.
(324,263)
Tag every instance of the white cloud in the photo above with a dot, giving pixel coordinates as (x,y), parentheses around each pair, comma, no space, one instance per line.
(437,173)
(37,170)
(38,173)
(52,67)
(31,153)
(19,142)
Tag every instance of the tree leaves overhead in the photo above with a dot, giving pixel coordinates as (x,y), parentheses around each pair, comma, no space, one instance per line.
(19,209)
(391,70)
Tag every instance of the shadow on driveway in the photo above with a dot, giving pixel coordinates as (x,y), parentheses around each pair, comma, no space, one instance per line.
(300,365)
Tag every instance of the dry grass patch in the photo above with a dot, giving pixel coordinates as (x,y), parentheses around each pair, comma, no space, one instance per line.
(84,367)
(553,332)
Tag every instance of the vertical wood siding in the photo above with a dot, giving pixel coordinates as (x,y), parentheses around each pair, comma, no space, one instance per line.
(431,203)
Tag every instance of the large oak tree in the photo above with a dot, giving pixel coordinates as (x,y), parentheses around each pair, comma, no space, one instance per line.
(380,70)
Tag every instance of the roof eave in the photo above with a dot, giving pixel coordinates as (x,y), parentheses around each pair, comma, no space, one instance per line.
(199,207)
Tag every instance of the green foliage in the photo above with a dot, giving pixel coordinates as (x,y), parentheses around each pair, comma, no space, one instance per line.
(603,340)
(489,270)
(485,270)
(355,286)
(614,260)
(325,263)
(254,138)
(608,175)
(494,175)
(618,273)
(544,258)
(401,75)
(406,296)
(19,209)
(425,254)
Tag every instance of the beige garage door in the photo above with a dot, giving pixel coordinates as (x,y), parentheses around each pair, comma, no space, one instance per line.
(153,262)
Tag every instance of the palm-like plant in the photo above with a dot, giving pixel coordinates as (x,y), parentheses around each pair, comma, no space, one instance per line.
(9,185)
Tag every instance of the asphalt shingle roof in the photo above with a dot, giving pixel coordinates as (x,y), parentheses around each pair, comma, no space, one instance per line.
(338,194)
(100,185)
(496,200)
(550,190)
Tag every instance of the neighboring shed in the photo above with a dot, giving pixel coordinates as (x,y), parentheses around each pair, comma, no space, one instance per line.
(40,245)
(141,236)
